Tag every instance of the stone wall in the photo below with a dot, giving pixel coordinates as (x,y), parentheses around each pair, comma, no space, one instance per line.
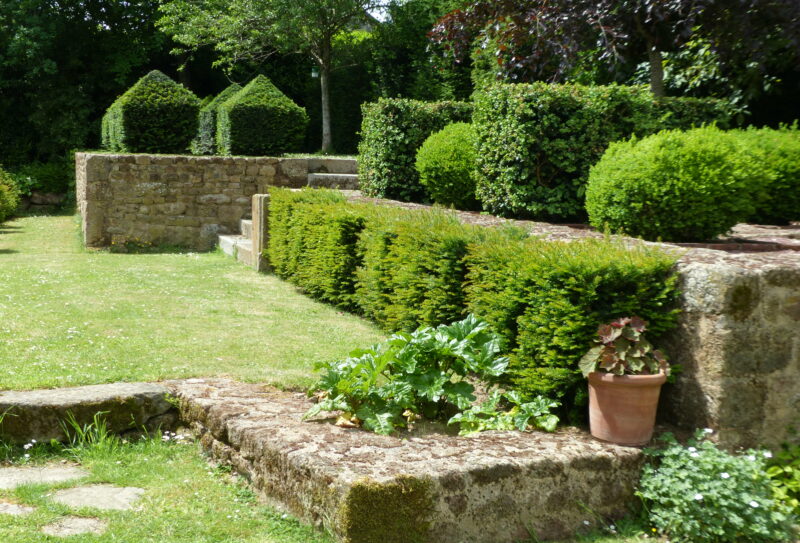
(173,200)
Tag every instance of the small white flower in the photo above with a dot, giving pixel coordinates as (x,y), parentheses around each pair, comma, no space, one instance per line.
(767,454)
(692,449)
(751,457)
(695,455)
(708,431)
(725,475)
(27,446)
(698,497)
(753,503)
(27,456)
(33,441)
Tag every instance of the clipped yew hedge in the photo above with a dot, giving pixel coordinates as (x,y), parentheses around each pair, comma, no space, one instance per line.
(537,142)
(205,143)
(156,115)
(392,130)
(260,120)
(406,268)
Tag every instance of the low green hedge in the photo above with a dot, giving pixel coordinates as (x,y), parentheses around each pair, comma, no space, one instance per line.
(260,120)
(446,166)
(677,186)
(406,268)
(392,131)
(9,195)
(156,115)
(778,152)
(205,143)
(537,142)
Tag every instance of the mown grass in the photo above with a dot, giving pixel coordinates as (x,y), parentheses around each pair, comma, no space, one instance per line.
(70,316)
(186,500)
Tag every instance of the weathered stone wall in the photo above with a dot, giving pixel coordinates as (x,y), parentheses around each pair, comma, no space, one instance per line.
(173,200)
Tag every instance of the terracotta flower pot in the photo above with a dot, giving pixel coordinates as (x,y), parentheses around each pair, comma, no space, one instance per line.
(622,408)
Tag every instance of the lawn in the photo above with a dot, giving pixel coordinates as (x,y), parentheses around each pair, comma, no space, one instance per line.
(70,316)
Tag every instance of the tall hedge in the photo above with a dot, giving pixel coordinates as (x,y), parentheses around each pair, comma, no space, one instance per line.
(536,142)
(9,195)
(205,143)
(405,268)
(392,131)
(260,120)
(156,115)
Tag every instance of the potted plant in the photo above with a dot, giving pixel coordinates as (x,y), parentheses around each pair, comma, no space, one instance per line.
(625,376)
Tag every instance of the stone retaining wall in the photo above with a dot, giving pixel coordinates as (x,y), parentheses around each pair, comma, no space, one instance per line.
(173,200)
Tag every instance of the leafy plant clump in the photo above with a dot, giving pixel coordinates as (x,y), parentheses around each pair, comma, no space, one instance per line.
(623,349)
(676,186)
(784,473)
(260,120)
(446,166)
(9,195)
(700,493)
(156,115)
(423,375)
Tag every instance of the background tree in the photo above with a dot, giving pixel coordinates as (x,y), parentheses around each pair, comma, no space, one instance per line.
(254,30)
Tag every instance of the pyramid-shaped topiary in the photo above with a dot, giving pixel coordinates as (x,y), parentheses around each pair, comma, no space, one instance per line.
(205,142)
(260,120)
(156,115)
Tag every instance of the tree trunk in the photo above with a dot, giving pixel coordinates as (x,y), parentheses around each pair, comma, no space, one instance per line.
(656,71)
(325,87)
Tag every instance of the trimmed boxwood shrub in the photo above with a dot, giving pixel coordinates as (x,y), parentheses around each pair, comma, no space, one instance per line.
(546,299)
(536,142)
(9,195)
(676,186)
(446,166)
(392,131)
(778,152)
(156,115)
(260,120)
(206,141)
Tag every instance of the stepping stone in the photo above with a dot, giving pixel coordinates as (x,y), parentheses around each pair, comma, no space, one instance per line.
(7,508)
(107,497)
(69,526)
(17,476)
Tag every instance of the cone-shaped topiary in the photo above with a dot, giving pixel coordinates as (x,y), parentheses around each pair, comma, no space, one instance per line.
(260,120)
(205,142)
(156,115)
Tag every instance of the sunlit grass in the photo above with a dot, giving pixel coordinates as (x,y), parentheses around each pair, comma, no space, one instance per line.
(70,316)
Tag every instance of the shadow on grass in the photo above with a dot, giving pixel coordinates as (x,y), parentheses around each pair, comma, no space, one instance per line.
(7,251)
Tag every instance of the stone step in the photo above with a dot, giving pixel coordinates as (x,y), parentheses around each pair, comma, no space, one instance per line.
(228,243)
(496,486)
(41,414)
(246,226)
(333,181)
(333,165)
(244,251)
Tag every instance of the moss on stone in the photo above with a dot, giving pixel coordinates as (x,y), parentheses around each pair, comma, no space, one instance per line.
(396,512)
(742,301)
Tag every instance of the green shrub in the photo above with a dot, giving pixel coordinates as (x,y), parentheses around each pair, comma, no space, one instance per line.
(54,177)
(547,299)
(260,120)
(206,141)
(9,195)
(316,248)
(676,186)
(413,268)
(701,494)
(392,131)
(156,115)
(784,473)
(777,151)
(446,166)
(537,142)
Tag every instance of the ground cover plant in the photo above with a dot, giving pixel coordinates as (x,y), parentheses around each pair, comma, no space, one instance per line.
(74,317)
(186,500)
(699,493)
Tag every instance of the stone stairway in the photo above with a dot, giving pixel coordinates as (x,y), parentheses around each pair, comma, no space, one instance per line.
(330,173)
